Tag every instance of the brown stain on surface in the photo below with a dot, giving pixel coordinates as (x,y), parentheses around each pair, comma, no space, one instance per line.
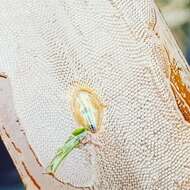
(153,20)
(31,177)
(37,160)
(55,178)
(180,90)
(16,148)
(3,76)
(14,145)
(6,133)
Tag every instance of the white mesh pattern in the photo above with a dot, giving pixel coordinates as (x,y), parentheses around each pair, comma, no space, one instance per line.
(47,46)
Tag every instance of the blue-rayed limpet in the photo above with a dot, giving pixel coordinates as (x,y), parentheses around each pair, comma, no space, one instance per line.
(87,108)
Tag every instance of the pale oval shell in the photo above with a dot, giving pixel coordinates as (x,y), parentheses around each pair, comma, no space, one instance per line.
(87,109)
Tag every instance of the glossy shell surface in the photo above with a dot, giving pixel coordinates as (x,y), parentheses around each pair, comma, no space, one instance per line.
(87,108)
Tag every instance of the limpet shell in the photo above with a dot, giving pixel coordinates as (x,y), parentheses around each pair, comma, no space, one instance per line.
(87,108)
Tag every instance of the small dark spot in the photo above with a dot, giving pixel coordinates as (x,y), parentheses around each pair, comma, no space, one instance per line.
(3,76)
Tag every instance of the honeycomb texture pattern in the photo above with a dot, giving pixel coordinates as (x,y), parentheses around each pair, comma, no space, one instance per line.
(46,46)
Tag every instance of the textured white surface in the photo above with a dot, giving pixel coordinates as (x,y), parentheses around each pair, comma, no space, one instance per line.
(48,45)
